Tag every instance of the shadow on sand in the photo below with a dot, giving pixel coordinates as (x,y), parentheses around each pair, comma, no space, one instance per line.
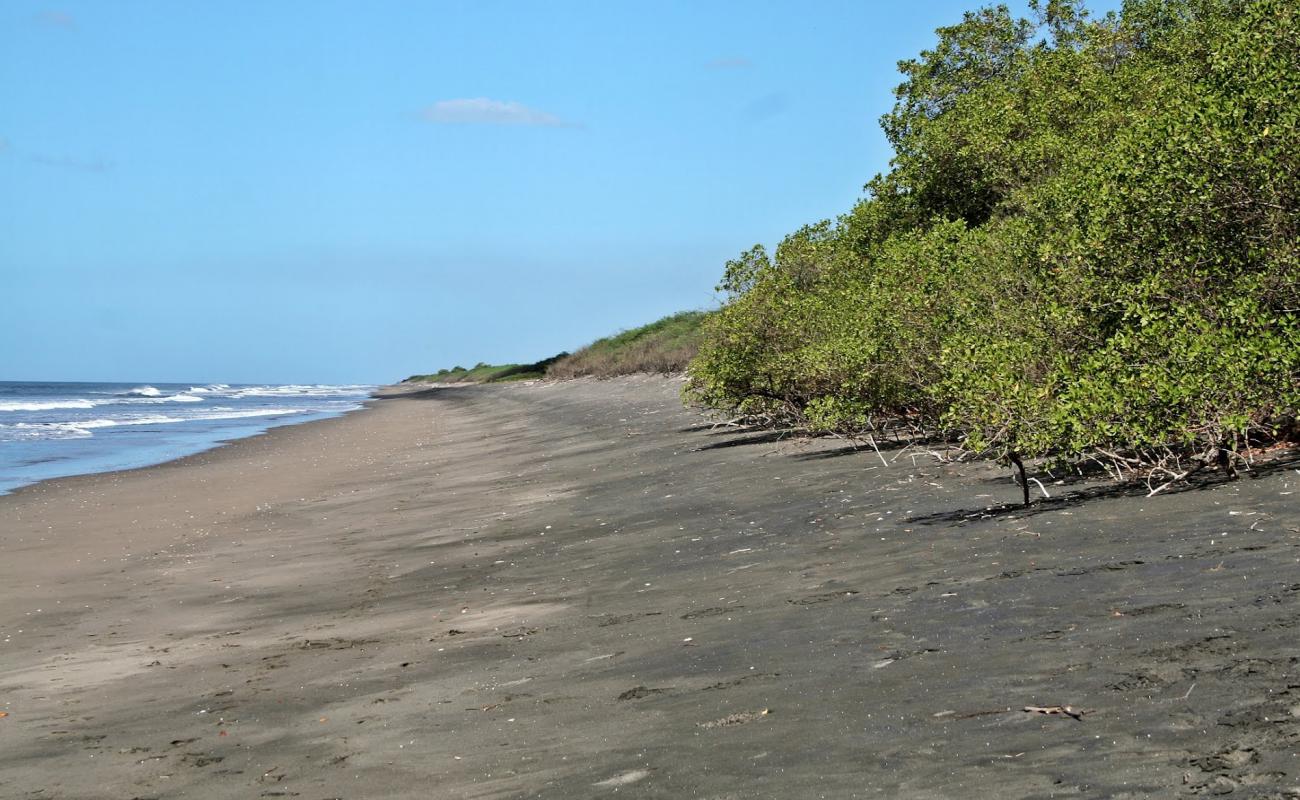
(748,437)
(1093,481)
(1078,497)
(443,392)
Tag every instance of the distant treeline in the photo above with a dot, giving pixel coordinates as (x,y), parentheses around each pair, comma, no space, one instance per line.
(489,373)
(1087,243)
(665,347)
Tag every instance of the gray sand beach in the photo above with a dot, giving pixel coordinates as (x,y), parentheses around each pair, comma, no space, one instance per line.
(582,589)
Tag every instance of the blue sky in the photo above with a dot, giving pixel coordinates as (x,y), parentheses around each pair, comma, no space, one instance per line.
(330,191)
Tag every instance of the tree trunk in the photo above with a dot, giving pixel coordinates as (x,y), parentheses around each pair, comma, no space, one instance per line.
(1014,457)
(1225,461)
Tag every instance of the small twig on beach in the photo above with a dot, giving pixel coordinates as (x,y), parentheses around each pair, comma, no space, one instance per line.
(1041,487)
(1066,711)
(872,440)
(1107,468)
(936,455)
(1164,486)
(843,438)
(1177,477)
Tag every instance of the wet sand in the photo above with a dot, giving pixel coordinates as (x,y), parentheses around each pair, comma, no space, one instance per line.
(576,590)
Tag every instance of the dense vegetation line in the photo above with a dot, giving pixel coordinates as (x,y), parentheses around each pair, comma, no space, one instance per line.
(489,373)
(1087,245)
(664,347)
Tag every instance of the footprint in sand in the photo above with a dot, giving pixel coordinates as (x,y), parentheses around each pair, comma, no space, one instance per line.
(638,692)
(825,597)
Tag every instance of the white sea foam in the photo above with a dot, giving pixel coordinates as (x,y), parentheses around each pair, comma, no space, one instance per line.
(80,429)
(27,432)
(110,425)
(45,405)
(287,390)
(92,424)
(299,390)
(171,398)
(260,412)
(55,405)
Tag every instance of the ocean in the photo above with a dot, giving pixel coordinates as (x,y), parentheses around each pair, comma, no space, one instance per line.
(50,430)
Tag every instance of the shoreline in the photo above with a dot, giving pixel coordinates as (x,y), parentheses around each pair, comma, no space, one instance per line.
(212,448)
(571,589)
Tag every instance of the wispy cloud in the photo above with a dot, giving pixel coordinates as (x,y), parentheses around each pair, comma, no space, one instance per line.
(57,19)
(70,162)
(4,144)
(731,62)
(484,111)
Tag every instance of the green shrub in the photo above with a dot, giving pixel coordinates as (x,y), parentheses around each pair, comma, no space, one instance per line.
(1087,242)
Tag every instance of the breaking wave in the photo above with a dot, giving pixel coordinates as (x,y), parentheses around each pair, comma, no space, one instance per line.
(53,429)
(142,391)
(83,428)
(45,405)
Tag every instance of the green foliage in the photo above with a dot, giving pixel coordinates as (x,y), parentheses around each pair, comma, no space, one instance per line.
(740,273)
(664,346)
(489,373)
(1088,241)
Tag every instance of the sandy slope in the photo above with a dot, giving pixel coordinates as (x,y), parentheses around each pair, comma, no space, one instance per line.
(573,590)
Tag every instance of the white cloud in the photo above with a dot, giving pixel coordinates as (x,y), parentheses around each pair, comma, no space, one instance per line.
(483,111)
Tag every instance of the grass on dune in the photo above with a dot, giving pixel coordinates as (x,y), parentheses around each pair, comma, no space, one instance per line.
(488,373)
(664,346)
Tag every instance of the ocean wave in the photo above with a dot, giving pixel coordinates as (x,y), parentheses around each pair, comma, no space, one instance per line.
(259,412)
(82,404)
(83,428)
(273,390)
(24,432)
(142,391)
(45,405)
(298,390)
(171,398)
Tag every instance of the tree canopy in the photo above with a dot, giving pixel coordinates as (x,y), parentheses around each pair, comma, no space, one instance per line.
(1087,241)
